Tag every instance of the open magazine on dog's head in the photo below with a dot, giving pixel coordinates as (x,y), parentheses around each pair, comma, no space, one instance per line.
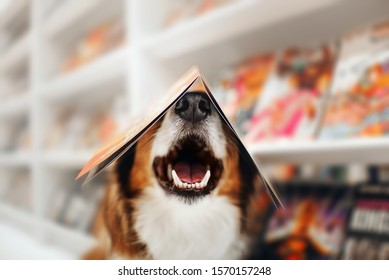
(192,81)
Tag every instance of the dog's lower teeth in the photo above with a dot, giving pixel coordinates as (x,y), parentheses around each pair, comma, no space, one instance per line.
(178,183)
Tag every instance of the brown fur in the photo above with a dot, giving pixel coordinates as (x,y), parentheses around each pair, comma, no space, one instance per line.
(114,222)
(230,183)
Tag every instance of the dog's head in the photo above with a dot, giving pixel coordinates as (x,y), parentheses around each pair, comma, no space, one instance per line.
(190,153)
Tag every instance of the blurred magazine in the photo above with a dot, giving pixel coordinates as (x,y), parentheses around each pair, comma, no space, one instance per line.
(239,89)
(75,207)
(290,102)
(366,249)
(368,228)
(184,10)
(312,225)
(19,192)
(359,102)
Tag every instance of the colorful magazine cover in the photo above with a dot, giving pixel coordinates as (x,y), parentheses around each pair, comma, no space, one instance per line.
(291,101)
(359,103)
(239,88)
(312,226)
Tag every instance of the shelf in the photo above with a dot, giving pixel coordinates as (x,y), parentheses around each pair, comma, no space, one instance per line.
(17,53)
(18,244)
(15,159)
(225,23)
(16,216)
(67,159)
(23,223)
(70,239)
(364,151)
(15,105)
(69,13)
(107,68)
(10,13)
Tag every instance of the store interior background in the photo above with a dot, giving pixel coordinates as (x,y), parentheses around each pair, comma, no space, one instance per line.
(72,73)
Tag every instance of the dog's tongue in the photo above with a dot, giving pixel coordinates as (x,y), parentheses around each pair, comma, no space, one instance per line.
(190,172)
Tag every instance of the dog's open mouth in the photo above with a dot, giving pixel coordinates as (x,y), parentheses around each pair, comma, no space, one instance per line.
(189,169)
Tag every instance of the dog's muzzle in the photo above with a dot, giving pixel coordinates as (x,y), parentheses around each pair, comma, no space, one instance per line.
(190,167)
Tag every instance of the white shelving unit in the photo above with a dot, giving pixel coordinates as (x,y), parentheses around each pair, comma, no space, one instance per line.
(17,53)
(15,159)
(16,106)
(221,25)
(67,159)
(26,220)
(364,151)
(150,61)
(106,69)
(69,13)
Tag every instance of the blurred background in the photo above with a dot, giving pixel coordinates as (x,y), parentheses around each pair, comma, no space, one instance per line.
(306,84)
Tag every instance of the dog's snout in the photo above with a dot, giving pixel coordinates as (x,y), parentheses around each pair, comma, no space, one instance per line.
(193,107)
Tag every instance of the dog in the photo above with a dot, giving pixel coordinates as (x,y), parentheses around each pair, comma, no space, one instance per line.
(183,192)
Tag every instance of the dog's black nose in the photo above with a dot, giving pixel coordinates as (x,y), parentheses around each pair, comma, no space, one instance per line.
(193,107)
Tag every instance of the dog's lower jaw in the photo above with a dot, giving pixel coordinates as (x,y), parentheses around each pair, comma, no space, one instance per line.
(172,229)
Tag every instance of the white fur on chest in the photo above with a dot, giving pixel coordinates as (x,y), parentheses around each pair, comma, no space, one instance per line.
(172,229)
